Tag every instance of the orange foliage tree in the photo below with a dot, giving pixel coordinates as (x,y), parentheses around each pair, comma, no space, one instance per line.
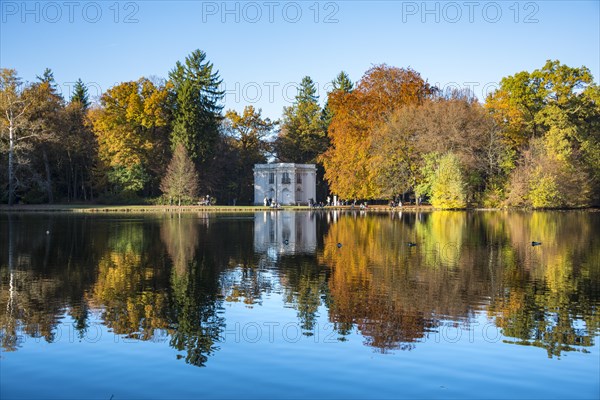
(356,116)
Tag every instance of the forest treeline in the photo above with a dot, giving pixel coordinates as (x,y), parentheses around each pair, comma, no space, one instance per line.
(534,142)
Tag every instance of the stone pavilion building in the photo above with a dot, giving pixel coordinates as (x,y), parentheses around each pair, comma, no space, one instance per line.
(285,184)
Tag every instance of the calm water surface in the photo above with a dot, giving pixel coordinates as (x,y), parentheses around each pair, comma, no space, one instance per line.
(300,305)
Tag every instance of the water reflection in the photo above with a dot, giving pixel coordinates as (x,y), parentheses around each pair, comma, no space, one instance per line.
(279,233)
(170,276)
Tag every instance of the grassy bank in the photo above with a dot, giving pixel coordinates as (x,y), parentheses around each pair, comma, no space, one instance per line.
(74,208)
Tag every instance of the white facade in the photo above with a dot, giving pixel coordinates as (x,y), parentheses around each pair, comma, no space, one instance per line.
(285,184)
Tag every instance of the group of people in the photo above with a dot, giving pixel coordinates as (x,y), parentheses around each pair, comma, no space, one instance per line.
(395,202)
(268,202)
(329,203)
(205,201)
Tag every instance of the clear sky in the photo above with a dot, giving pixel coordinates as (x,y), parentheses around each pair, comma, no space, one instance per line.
(263,48)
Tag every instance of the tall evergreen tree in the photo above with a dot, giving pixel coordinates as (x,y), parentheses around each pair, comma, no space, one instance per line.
(342,82)
(47,77)
(303,137)
(197,113)
(80,94)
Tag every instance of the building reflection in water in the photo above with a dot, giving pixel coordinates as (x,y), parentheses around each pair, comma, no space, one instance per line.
(279,233)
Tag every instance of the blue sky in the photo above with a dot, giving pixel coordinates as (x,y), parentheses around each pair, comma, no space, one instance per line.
(263,48)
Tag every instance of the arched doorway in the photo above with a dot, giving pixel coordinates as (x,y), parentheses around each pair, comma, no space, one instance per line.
(286,196)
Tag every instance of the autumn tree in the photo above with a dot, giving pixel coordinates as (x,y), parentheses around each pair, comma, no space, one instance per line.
(181,179)
(542,180)
(249,132)
(131,129)
(558,105)
(45,123)
(395,160)
(12,117)
(32,124)
(448,185)
(341,82)
(515,105)
(356,116)
(53,150)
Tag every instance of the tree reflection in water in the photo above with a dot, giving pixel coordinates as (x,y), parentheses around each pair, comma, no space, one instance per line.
(169,276)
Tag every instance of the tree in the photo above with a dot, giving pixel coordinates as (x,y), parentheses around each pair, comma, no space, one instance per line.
(448,186)
(515,105)
(76,158)
(249,132)
(197,113)
(356,116)
(52,150)
(559,105)
(455,124)
(302,138)
(80,94)
(12,107)
(47,77)
(131,127)
(342,83)
(79,148)
(460,125)
(395,160)
(181,179)
(427,173)
(46,124)
(543,180)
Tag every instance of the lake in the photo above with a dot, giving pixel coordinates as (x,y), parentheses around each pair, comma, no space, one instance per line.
(319,304)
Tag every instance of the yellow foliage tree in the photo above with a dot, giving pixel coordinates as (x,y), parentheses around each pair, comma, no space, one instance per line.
(130,127)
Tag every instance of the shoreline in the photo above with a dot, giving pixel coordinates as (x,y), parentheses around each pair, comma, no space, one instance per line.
(101,209)
(66,208)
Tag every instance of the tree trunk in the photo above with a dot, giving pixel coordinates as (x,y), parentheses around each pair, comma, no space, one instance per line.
(48,177)
(83,192)
(11,172)
(71,188)
(74,182)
